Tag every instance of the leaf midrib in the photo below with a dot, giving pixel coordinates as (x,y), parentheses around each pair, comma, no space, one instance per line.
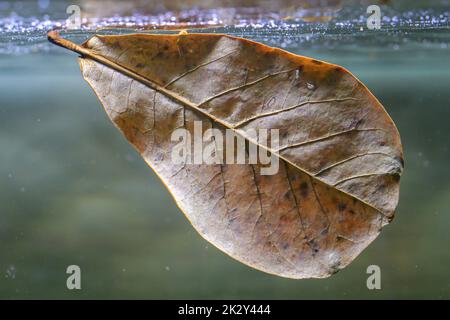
(86,52)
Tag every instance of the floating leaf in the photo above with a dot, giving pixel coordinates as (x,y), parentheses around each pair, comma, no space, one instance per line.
(340,154)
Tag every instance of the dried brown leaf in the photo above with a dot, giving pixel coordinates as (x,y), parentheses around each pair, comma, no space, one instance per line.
(340,153)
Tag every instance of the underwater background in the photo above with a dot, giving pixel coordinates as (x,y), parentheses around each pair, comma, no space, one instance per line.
(74,192)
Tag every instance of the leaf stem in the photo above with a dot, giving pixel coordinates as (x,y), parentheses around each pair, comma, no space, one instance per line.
(54,37)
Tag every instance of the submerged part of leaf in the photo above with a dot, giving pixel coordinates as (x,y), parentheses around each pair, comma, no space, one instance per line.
(340,153)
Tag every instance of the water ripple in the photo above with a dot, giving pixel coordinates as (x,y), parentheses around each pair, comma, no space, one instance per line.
(22,34)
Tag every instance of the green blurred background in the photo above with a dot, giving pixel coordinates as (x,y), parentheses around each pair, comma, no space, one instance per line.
(73,191)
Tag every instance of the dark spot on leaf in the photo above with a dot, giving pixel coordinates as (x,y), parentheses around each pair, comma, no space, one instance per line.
(304,189)
(342,206)
(358,123)
(116,45)
(334,267)
(400,159)
(316,62)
